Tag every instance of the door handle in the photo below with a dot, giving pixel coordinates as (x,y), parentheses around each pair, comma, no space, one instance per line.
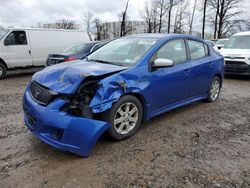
(30,52)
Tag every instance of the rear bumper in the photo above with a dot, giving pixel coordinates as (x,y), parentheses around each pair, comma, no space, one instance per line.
(241,69)
(74,134)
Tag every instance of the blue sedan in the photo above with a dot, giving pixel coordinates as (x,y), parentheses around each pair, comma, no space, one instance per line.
(117,87)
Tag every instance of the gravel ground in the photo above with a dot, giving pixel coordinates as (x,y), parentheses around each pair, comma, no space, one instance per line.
(200,145)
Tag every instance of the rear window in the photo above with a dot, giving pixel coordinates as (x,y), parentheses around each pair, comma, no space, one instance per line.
(197,49)
(174,50)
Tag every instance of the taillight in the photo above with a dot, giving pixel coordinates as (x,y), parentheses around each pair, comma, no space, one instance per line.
(70,59)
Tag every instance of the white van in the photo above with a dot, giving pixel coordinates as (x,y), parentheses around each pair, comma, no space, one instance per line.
(30,47)
(237,54)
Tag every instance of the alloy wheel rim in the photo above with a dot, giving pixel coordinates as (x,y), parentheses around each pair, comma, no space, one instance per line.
(215,89)
(126,118)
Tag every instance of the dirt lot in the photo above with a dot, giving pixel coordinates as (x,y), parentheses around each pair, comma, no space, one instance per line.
(199,145)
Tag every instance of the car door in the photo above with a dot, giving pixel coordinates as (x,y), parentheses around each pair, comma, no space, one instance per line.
(17,50)
(170,85)
(202,67)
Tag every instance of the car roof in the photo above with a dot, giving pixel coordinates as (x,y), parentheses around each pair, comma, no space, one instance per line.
(160,35)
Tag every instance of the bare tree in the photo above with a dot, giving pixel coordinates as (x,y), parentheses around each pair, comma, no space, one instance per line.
(172,3)
(98,28)
(169,14)
(88,20)
(124,20)
(155,14)
(204,19)
(226,16)
(181,17)
(149,14)
(217,6)
(163,6)
(65,24)
(192,18)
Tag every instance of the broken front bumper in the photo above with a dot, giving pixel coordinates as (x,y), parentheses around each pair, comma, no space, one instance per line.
(60,130)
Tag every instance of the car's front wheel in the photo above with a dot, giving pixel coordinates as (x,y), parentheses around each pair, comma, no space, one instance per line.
(125,117)
(214,90)
(2,70)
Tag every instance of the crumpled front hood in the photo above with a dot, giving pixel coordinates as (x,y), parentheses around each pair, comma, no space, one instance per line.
(66,77)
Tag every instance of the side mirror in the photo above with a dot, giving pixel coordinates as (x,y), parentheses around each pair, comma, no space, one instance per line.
(162,63)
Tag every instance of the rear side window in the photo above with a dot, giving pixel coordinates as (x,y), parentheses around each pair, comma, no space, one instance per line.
(197,49)
(174,50)
(16,38)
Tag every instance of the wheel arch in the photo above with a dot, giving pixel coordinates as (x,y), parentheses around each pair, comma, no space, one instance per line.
(219,75)
(141,98)
(3,62)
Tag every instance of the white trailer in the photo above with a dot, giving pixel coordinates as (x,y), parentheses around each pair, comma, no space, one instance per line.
(30,47)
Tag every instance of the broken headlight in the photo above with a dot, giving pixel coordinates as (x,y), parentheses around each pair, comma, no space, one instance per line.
(78,105)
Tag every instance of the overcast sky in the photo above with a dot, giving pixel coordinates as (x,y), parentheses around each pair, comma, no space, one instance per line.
(29,12)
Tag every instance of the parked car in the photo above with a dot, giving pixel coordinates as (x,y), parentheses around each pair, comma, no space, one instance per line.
(211,43)
(220,43)
(73,52)
(237,54)
(117,87)
(21,48)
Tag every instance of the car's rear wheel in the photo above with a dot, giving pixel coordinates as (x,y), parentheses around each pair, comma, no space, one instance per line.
(3,70)
(214,90)
(125,117)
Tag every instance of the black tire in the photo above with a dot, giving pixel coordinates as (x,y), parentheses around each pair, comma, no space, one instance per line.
(211,95)
(110,115)
(3,70)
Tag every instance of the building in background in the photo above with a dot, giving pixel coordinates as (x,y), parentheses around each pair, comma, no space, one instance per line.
(110,30)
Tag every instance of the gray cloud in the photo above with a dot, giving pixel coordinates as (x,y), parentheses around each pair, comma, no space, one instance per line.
(30,12)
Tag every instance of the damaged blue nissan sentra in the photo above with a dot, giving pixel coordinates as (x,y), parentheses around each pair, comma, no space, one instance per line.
(116,88)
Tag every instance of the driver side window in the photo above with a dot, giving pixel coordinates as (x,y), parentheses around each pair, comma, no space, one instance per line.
(16,38)
(174,50)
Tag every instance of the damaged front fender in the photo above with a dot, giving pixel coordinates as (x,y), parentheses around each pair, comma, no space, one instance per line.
(112,88)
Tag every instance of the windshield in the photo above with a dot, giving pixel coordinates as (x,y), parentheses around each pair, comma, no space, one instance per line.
(238,42)
(221,41)
(75,48)
(3,33)
(123,51)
